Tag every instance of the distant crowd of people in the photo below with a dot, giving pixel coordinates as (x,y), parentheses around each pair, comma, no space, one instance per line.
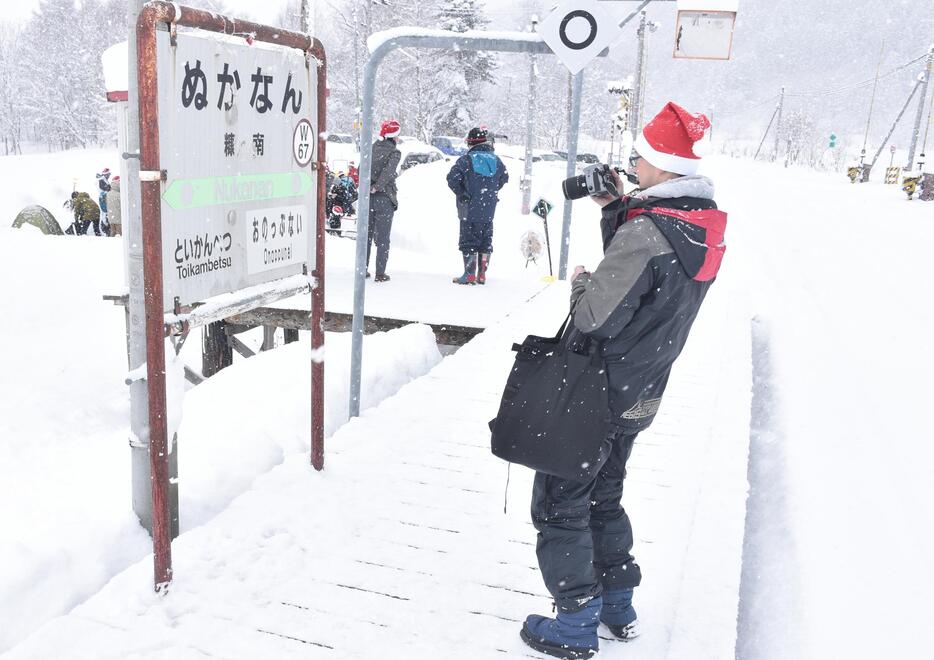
(104,215)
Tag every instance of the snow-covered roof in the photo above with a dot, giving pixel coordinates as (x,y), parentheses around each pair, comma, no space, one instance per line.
(116,78)
(378,39)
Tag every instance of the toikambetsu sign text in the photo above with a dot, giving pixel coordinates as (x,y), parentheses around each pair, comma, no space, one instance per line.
(237,143)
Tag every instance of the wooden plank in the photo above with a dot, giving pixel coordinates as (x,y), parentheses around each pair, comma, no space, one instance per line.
(299,319)
(241,348)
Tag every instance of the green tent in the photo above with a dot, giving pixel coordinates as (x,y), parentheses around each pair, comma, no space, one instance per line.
(40,218)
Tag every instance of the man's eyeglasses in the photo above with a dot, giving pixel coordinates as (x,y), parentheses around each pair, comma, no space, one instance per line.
(633,159)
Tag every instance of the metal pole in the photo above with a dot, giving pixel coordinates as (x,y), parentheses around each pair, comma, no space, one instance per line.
(133,246)
(778,126)
(895,123)
(529,136)
(612,139)
(551,271)
(571,171)
(924,95)
(150,194)
(319,60)
(927,128)
(635,107)
(511,43)
(766,134)
(363,233)
(356,72)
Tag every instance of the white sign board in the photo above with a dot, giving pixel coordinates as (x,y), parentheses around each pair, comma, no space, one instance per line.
(577,31)
(704,35)
(237,139)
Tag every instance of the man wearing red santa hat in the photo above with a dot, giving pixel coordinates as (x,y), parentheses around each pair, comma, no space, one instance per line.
(662,249)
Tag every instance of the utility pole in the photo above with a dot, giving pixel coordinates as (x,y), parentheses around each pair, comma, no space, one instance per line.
(308,17)
(356,67)
(778,126)
(872,101)
(916,133)
(895,123)
(635,106)
(526,183)
(570,107)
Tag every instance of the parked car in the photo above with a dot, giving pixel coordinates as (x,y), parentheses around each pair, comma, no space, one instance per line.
(547,156)
(415,152)
(340,138)
(449,145)
(590,159)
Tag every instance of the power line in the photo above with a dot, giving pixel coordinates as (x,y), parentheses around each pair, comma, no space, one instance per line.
(721,115)
(857,85)
(818,93)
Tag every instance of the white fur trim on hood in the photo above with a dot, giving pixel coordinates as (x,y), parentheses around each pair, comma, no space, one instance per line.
(693,185)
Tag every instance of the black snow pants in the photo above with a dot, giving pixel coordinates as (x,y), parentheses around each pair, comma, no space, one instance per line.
(584,534)
(381,213)
(475,236)
(84,225)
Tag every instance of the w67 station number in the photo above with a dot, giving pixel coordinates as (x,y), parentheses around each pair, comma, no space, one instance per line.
(303,143)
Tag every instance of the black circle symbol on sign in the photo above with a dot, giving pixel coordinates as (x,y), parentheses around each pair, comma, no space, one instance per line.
(563,29)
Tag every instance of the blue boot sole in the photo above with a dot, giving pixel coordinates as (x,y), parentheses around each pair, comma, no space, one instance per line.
(566,652)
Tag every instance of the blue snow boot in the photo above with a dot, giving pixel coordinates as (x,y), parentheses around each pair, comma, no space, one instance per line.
(571,635)
(618,614)
(470,269)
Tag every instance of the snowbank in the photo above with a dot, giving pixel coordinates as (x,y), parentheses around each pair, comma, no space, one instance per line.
(67,526)
(243,421)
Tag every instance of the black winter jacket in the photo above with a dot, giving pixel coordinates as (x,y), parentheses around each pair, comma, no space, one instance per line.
(662,251)
(386,157)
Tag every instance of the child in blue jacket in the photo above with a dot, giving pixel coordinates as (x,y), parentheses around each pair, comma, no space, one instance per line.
(476,179)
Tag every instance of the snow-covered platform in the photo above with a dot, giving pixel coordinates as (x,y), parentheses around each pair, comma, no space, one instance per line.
(405,297)
(401,547)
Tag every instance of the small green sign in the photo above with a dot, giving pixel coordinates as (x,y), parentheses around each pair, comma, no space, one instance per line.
(542,209)
(184,194)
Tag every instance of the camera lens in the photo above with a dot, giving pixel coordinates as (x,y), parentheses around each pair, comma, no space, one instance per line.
(575,187)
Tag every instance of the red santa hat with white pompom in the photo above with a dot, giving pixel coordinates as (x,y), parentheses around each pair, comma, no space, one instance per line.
(667,142)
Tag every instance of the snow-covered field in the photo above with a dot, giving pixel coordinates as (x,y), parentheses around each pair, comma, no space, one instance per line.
(840,523)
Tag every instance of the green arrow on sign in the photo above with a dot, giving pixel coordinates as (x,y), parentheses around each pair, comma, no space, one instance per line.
(185,194)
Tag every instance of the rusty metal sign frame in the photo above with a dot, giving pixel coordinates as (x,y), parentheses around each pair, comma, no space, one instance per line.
(171,14)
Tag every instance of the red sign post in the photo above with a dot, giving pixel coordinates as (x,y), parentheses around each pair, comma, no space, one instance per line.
(153,195)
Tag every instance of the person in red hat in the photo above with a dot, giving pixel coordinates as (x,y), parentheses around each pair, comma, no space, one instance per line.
(384,199)
(662,250)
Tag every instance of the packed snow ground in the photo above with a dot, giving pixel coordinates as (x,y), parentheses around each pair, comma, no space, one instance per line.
(836,553)
(401,549)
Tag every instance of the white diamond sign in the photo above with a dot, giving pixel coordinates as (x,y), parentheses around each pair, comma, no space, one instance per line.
(577,31)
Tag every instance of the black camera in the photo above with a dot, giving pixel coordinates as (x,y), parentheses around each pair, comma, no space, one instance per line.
(595,180)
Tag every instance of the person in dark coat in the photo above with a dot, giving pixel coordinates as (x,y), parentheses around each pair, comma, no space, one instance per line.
(476,179)
(662,250)
(86,213)
(103,187)
(384,199)
(114,212)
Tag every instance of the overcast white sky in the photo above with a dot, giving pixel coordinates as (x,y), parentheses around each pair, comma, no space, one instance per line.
(250,9)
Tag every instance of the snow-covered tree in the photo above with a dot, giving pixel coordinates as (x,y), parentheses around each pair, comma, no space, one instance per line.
(470,71)
(11,86)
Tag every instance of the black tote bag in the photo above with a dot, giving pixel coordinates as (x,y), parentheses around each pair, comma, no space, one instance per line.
(554,413)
